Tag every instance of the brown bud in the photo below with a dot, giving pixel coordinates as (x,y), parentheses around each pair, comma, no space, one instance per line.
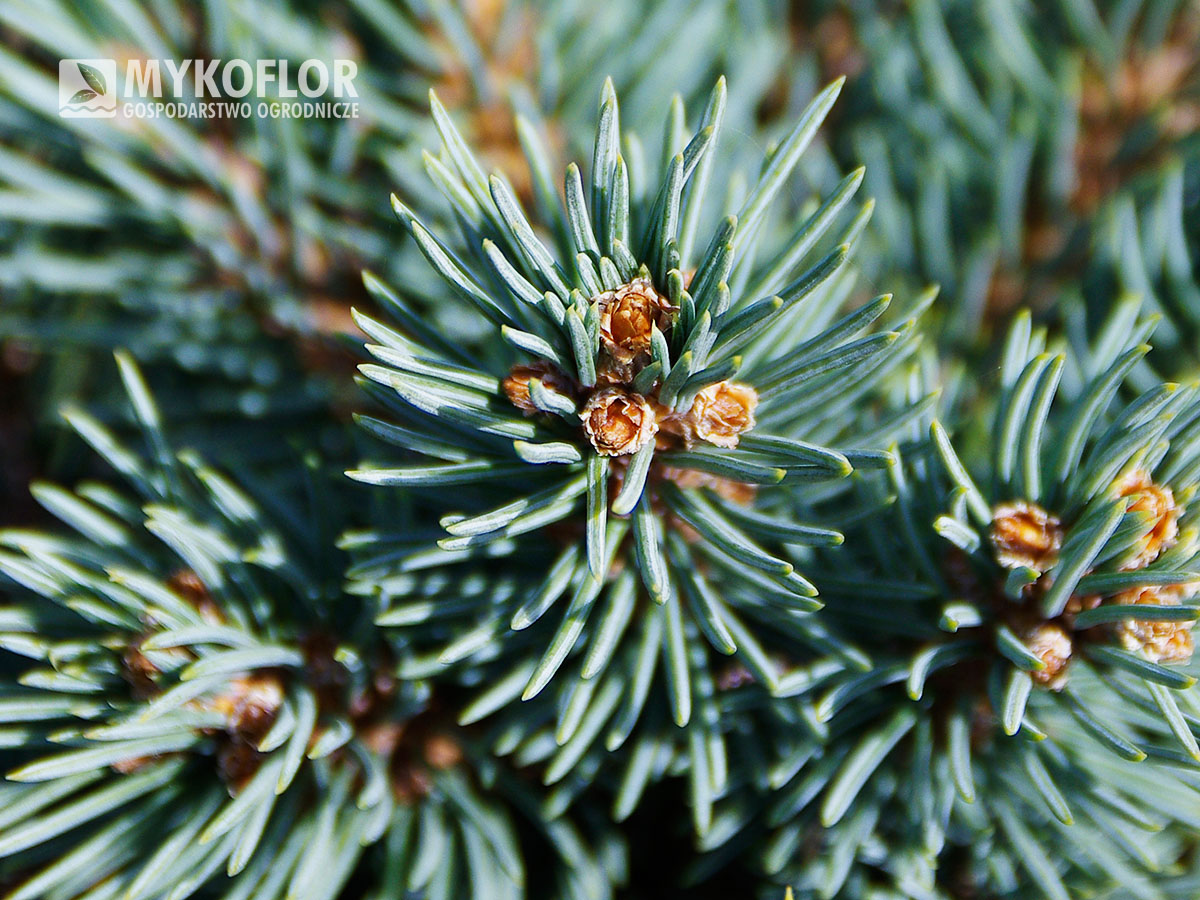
(410,782)
(1077,604)
(237,762)
(442,752)
(250,705)
(618,422)
(1024,534)
(139,671)
(133,764)
(1159,503)
(1051,644)
(726,488)
(187,584)
(720,414)
(628,316)
(382,738)
(1161,642)
(611,372)
(516,383)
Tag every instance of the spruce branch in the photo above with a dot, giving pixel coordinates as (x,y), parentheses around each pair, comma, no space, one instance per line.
(200,700)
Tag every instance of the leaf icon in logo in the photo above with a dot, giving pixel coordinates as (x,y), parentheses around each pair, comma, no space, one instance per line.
(93,78)
(82,96)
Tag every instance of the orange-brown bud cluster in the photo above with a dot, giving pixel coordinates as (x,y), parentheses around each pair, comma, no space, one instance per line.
(628,317)
(734,491)
(1050,643)
(722,412)
(1158,503)
(1161,642)
(618,422)
(250,705)
(516,384)
(415,752)
(1024,534)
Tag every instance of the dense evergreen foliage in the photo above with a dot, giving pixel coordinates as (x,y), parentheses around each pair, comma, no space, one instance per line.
(771,463)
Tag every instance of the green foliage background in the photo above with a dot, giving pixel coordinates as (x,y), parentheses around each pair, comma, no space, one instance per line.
(508,666)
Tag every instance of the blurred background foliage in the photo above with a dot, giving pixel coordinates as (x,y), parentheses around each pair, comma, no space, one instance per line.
(1018,154)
